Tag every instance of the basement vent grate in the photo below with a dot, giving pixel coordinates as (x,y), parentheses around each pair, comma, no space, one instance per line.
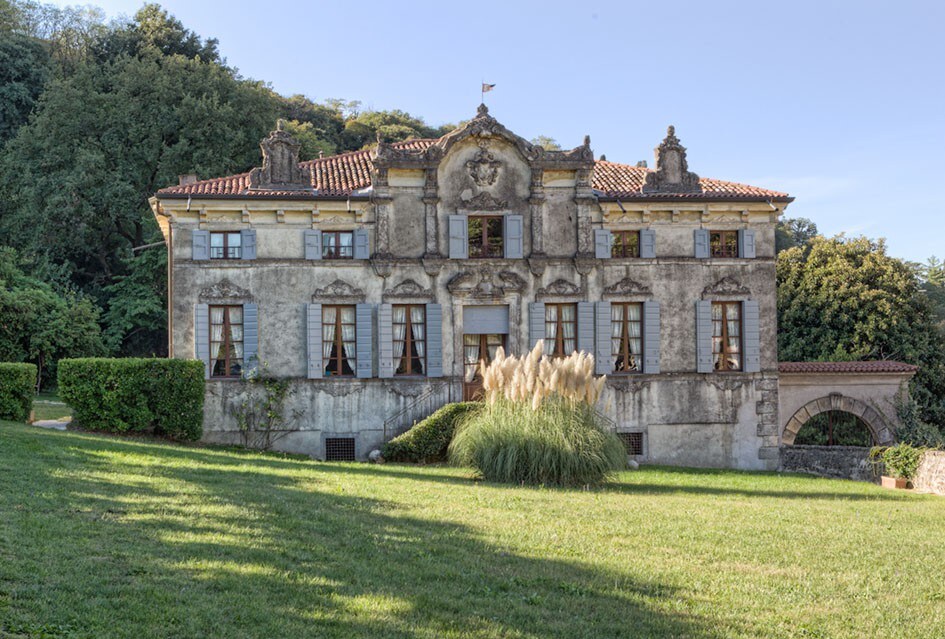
(339,449)
(633,442)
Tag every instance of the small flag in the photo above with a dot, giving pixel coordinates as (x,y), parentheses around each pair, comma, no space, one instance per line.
(487,87)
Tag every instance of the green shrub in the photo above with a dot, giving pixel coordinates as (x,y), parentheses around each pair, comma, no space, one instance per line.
(428,440)
(17,386)
(901,460)
(160,396)
(562,443)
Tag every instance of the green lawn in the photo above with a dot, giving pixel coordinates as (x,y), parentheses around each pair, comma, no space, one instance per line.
(50,406)
(107,537)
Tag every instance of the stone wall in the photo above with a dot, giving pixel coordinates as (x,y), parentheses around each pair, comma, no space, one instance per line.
(931,474)
(840,462)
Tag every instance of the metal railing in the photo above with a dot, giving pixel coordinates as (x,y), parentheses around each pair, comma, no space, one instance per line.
(423,406)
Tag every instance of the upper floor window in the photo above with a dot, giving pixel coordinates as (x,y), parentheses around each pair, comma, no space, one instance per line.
(226,340)
(337,245)
(339,342)
(410,339)
(625,244)
(723,243)
(727,336)
(560,329)
(226,245)
(485,236)
(627,336)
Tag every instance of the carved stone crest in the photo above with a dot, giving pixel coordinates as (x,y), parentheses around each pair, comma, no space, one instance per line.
(484,168)
(626,287)
(407,289)
(338,290)
(727,383)
(485,284)
(560,288)
(672,173)
(225,290)
(728,285)
(280,164)
(485,202)
(339,388)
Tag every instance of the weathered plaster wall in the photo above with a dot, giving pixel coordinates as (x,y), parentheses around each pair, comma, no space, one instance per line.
(931,474)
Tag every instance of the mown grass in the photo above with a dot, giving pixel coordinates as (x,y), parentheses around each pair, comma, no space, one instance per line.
(106,537)
(49,406)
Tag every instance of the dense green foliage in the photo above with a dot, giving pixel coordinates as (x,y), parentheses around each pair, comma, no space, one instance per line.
(24,70)
(900,461)
(160,396)
(560,444)
(429,440)
(834,428)
(17,387)
(846,299)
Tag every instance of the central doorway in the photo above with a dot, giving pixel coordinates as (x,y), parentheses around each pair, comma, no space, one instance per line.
(478,348)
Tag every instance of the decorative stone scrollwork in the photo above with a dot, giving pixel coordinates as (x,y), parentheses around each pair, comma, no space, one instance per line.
(484,168)
(409,391)
(408,289)
(626,384)
(484,283)
(280,164)
(224,291)
(626,287)
(727,383)
(672,173)
(339,388)
(728,285)
(560,288)
(484,201)
(339,290)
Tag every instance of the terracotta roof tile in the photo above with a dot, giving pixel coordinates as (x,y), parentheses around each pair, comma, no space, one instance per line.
(340,175)
(846,367)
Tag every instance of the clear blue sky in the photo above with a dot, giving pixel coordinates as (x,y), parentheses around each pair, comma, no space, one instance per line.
(842,104)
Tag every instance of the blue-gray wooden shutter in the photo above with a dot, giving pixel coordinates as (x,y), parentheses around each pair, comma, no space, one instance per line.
(200,243)
(751,327)
(313,244)
(362,249)
(647,243)
(603,241)
(536,323)
(385,341)
(364,336)
(585,327)
(514,232)
(250,339)
(313,342)
(746,243)
(459,237)
(702,243)
(651,336)
(202,336)
(434,340)
(704,363)
(248,243)
(603,357)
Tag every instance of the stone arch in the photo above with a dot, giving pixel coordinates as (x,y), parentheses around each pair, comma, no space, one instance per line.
(874,420)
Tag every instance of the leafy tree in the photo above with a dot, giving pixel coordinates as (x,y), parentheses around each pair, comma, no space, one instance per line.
(547,143)
(312,143)
(41,326)
(326,120)
(154,28)
(394,126)
(24,71)
(69,33)
(136,317)
(846,299)
(793,231)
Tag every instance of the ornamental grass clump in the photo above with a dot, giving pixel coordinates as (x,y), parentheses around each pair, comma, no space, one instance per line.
(539,424)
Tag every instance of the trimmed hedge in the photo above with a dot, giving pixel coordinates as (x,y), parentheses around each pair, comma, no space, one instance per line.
(428,440)
(17,386)
(159,396)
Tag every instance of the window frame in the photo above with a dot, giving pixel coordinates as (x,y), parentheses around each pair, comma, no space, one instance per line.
(623,235)
(227,342)
(484,237)
(558,351)
(625,338)
(338,342)
(226,245)
(722,251)
(724,337)
(337,235)
(409,340)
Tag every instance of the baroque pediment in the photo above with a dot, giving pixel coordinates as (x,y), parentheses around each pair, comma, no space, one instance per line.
(409,288)
(560,288)
(626,287)
(339,290)
(728,285)
(485,283)
(672,174)
(280,164)
(484,202)
(224,290)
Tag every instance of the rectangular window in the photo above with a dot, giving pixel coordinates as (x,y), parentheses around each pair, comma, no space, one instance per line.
(627,337)
(409,323)
(485,236)
(226,245)
(625,244)
(226,341)
(560,329)
(339,345)
(337,245)
(723,243)
(727,336)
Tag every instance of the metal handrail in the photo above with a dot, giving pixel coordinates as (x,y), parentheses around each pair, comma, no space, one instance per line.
(421,407)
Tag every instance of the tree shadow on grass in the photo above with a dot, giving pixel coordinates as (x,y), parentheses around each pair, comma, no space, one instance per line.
(132,549)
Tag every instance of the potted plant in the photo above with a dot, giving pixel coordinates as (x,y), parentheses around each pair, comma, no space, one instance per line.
(899,462)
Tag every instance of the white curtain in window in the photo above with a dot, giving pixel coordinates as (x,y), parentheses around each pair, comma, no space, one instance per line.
(418,331)
(400,332)
(568,323)
(329,317)
(216,335)
(551,329)
(348,335)
(471,356)
(633,328)
(616,324)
